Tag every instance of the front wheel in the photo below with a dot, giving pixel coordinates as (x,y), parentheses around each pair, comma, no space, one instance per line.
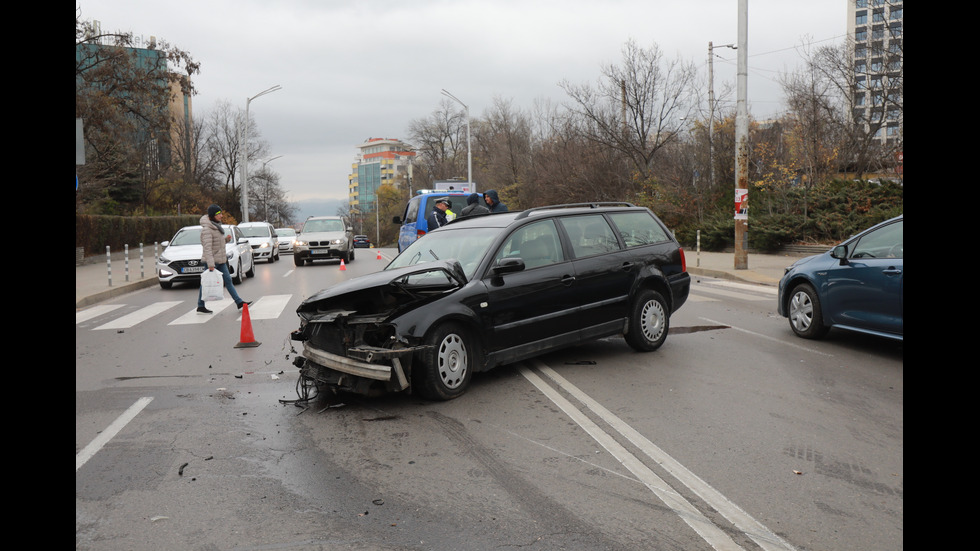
(805,315)
(297,260)
(251,269)
(237,279)
(648,322)
(447,365)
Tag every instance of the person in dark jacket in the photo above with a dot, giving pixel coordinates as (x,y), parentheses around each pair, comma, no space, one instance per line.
(493,201)
(438,217)
(473,206)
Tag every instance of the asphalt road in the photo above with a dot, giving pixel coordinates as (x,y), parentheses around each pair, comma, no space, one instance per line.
(735,435)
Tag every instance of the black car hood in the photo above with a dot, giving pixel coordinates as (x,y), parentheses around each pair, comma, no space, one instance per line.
(383,291)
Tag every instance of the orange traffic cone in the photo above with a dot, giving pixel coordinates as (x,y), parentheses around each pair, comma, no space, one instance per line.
(342,267)
(247,338)
(379,254)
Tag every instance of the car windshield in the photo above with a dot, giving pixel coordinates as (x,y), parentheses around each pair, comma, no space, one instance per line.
(255,231)
(466,245)
(323,225)
(190,236)
(286,232)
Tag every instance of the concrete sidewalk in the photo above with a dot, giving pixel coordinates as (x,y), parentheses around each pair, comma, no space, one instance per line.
(97,280)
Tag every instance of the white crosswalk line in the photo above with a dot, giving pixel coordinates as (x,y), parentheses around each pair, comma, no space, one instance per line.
(95,312)
(193,317)
(730,294)
(140,315)
(268,307)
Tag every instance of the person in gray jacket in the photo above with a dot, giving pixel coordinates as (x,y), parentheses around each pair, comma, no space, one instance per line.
(473,206)
(213,239)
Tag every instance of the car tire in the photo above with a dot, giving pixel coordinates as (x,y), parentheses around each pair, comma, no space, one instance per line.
(804,312)
(446,366)
(251,270)
(351,256)
(237,278)
(297,260)
(649,321)
(166,284)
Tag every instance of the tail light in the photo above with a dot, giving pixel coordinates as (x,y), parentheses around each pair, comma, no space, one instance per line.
(419,233)
(683,260)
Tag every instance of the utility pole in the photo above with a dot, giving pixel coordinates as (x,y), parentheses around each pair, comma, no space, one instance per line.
(742,143)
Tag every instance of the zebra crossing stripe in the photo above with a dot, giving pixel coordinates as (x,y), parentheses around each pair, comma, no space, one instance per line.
(193,317)
(140,315)
(268,307)
(95,312)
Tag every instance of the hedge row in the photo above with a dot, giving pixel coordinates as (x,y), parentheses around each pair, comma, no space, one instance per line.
(94,232)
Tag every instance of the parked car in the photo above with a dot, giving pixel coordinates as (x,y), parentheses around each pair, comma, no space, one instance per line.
(491,290)
(361,242)
(182,257)
(262,236)
(857,286)
(286,238)
(324,237)
(414,220)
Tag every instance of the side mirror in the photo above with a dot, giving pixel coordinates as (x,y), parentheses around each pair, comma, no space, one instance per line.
(165,244)
(508,265)
(840,253)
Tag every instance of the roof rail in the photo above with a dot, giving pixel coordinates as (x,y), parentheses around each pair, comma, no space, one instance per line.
(526,213)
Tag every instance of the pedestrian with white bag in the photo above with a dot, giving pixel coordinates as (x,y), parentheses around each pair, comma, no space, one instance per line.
(213,239)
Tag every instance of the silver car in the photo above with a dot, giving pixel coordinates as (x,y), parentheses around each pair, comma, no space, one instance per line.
(322,238)
(182,257)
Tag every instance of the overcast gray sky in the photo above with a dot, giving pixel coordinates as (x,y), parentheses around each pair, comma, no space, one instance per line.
(357,69)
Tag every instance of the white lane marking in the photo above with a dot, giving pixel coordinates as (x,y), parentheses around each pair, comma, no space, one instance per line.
(764,537)
(103,438)
(289,273)
(193,317)
(767,337)
(704,527)
(730,294)
(698,298)
(140,315)
(767,289)
(267,307)
(95,312)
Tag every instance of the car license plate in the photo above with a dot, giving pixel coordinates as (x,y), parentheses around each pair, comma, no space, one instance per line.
(192,270)
(320,251)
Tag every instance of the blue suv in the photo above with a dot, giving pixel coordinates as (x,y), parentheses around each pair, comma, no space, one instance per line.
(413,222)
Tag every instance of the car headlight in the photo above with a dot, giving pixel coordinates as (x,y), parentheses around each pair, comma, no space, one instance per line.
(163,260)
(299,243)
(338,241)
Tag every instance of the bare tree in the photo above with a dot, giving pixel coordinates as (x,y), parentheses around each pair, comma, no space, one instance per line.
(638,106)
(223,131)
(440,140)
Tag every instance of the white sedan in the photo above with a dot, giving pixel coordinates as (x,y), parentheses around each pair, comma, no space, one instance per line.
(286,238)
(182,258)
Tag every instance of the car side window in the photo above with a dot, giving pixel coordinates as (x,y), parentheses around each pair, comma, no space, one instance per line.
(638,228)
(537,244)
(886,242)
(412,211)
(590,235)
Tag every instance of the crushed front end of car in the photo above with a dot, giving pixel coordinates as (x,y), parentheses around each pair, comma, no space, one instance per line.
(351,333)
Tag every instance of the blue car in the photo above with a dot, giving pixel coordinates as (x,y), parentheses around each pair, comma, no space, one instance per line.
(857,286)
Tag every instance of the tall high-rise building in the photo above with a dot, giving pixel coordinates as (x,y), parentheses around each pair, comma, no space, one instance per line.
(876,28)
(379,161)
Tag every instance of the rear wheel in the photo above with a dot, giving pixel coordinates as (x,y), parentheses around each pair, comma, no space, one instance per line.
(805,315)
(446,367)
(649,321)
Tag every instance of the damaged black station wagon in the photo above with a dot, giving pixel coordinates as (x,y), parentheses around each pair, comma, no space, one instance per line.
(490,290)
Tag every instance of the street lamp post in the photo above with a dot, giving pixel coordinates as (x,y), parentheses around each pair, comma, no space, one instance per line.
(244,153)
(266,199)
(469,156)
(711,110)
